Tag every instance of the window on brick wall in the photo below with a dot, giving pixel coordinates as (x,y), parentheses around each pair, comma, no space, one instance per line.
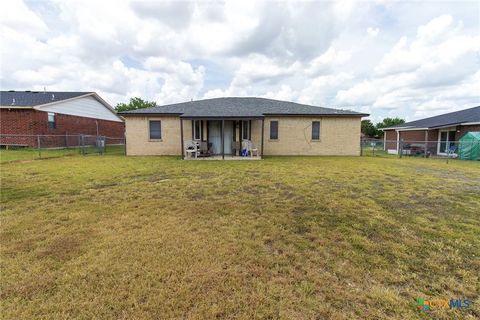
(197,130)
(155,130)
(315,130)
(51,120)
(273,130)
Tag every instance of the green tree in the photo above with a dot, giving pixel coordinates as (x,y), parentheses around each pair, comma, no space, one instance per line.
(134,104)
(388,122)
(368,128)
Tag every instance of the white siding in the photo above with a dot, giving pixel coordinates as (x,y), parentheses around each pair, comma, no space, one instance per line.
(88,107)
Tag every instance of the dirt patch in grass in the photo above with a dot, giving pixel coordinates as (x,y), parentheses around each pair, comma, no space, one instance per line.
(63,248)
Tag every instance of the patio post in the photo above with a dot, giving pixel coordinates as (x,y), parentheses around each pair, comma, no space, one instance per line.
(181,138)
(263,130)
(223,138)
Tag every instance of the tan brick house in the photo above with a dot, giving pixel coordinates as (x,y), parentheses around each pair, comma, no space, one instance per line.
(226,127)
(438,134)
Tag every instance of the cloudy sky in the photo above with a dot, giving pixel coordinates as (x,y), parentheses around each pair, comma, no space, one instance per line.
(408,59)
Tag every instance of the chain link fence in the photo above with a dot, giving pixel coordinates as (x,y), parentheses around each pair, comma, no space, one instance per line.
(462,150)
(30,147)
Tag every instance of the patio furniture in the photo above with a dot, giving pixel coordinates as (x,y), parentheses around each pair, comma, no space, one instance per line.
(205,149)
(192,149)
(236,148)
(250,149)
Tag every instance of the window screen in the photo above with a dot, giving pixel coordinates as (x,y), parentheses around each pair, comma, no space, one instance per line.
(316,130)
(245,130)
(197,130)
(155,130)
(273,130)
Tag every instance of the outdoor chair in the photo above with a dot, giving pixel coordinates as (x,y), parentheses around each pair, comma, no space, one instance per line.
(205,149)
(192,148)
(236,148)
(250,149)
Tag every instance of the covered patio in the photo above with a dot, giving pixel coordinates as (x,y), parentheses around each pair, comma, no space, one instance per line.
(222,138)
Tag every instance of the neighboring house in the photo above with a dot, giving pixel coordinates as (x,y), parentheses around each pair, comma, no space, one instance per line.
(55,113)
(274,128)
(441,131)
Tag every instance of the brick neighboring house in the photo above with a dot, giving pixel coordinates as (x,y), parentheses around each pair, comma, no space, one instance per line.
(224,127)
(440,131)
(55,113)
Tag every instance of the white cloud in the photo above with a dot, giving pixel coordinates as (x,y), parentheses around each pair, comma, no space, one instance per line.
(313,52)
(16,15)
(422,72)
(327,61)
(373,32)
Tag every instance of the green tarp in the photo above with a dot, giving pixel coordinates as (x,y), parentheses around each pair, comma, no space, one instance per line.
(469,146)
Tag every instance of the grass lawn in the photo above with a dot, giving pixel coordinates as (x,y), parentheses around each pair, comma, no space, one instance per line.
(21,154)
(114,237)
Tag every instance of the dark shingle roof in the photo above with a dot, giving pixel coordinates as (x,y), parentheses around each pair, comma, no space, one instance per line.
(34,98)
(446,119)
(236,107)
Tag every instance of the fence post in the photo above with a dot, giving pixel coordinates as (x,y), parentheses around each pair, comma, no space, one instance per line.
(361,151)
(81,144)
(400,149)
(38,146)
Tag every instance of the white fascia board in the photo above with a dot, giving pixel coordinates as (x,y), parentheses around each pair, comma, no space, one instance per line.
(410,129)
(93,94)
(470,123)
(396,128)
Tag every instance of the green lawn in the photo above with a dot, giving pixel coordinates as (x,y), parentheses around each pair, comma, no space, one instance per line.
(113,237)
(22,154)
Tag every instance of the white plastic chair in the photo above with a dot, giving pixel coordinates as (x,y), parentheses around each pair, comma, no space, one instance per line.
(250,149)
(191,147)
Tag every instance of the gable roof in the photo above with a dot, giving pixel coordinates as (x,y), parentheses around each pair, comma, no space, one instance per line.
(239,107)
(40,99)
(18,99)
(471,115)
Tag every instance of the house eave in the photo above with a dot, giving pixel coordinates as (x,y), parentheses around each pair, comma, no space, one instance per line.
(16,107)
(221,117)
(359,115)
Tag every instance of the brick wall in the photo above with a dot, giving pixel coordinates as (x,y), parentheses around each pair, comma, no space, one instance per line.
(33,122)
(338,136)
(391,137)
(465,129)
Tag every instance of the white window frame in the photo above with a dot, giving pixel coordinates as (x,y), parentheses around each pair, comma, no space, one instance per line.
(54,116)
(195,124)
(447,130)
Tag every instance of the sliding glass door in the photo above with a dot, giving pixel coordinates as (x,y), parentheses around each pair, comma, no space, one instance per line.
(215,136)
(446,140)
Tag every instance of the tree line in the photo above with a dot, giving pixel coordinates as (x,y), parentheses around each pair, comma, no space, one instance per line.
(371,130)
